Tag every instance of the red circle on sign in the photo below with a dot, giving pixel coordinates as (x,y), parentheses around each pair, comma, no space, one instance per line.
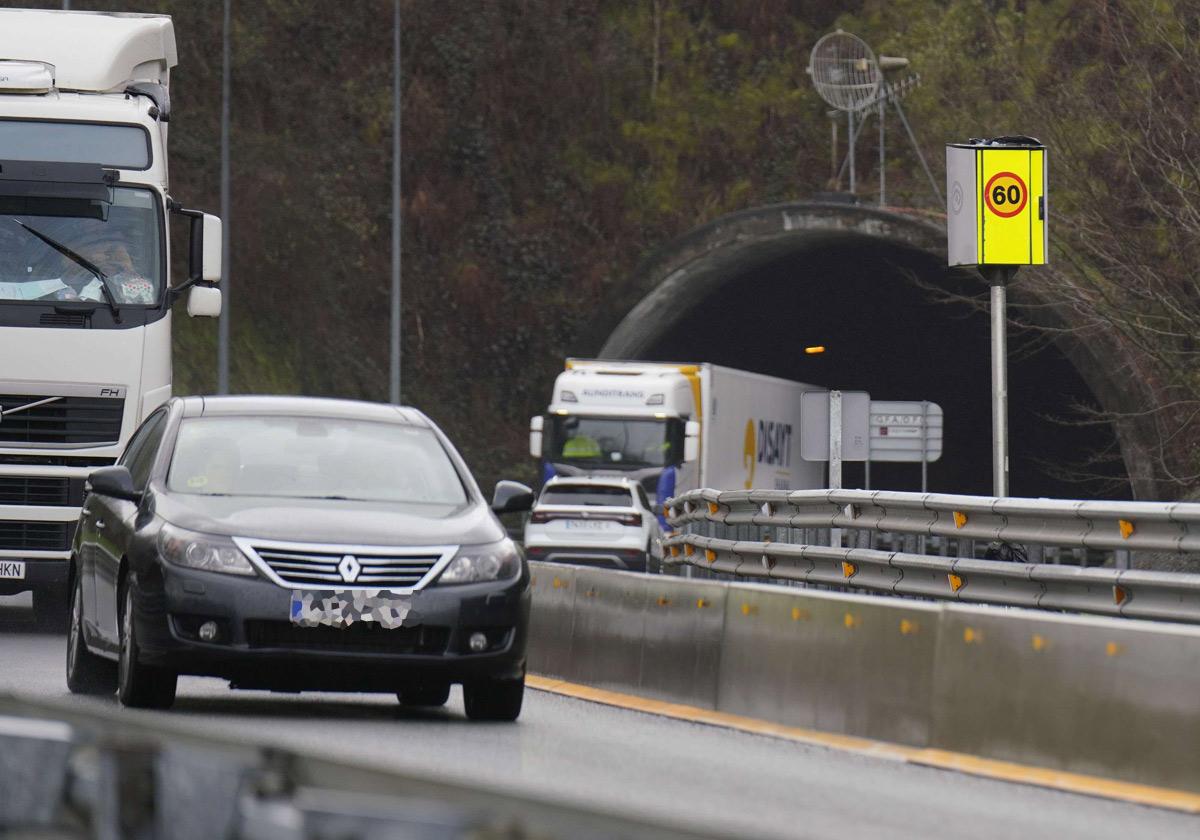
(987,195)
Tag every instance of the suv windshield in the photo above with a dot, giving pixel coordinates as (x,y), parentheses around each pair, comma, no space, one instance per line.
(313,457)
(122,239)
(630,442)
(586,494)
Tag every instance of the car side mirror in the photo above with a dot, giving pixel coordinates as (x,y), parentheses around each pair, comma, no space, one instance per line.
(511,497)
(204,302)
(535,435)
(691,441)
(115,482)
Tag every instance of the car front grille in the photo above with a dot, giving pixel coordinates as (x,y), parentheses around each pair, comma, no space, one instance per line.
(40,491)
(351,566)
(359,637)
(60,420)
(36,536)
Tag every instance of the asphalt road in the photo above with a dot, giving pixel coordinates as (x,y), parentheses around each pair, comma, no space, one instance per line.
(685,774)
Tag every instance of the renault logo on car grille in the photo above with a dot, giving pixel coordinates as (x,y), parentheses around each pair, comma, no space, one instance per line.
(349,568)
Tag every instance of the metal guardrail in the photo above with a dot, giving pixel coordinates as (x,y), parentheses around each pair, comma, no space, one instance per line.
(778,553)
(69,770)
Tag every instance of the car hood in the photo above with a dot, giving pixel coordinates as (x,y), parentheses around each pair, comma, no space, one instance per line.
(331,521)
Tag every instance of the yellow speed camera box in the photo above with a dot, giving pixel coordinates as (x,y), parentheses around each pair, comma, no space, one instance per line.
(996,202)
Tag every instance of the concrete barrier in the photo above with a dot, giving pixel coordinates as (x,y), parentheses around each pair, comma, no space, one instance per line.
(1099,696)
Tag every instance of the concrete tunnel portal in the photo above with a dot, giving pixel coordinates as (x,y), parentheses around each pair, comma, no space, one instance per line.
(752,290)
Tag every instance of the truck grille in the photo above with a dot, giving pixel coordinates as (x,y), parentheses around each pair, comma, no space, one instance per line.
(39,492)
(36,536)
(59,420)
(359,637)
(381,568)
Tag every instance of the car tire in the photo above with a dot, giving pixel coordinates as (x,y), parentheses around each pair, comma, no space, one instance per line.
(494,699)
(140,686)
(424,695)
(87,673)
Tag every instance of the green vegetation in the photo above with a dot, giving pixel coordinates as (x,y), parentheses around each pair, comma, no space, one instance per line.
(551,144)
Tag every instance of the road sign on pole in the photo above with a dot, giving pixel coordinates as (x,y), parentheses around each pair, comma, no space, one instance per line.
(996,220)
(905,431)
(814,425)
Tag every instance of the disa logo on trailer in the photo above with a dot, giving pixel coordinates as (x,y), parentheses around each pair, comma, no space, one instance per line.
(767,442)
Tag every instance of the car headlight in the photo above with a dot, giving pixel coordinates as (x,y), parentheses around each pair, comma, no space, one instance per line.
(475,563)
(201,551)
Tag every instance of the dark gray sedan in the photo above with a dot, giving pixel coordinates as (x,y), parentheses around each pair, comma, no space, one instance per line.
(294,544)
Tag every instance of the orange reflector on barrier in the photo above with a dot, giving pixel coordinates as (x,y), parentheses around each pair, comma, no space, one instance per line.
(1113,649)
(971,635)
(1126,528)
(710,555)
(851,620)
(800,615)
(1119,595)
(908,627)
(956,582)
(849,569)
(674,551)
(1039,643)
(960,519)
(713,508)
(689,549)
(701,603)
(664,602)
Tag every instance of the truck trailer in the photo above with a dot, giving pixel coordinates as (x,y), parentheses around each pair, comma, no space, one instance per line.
(674,427)
(85,278)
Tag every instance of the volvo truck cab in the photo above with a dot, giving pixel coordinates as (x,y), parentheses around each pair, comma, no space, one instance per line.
(85,267)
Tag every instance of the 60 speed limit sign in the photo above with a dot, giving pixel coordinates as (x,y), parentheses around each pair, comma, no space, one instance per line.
(996,208)
(1006,194)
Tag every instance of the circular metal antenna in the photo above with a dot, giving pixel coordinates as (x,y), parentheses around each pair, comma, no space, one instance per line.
(844,71)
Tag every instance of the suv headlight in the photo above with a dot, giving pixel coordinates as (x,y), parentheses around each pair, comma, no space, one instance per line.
(201,551)
(475,563)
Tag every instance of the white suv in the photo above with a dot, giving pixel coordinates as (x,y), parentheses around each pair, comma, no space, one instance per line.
(595,521)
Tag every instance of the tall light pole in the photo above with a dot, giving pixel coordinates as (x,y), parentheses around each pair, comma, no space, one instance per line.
(223,325)
(394,390)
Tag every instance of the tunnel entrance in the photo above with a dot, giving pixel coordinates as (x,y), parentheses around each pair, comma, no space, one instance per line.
(888,334)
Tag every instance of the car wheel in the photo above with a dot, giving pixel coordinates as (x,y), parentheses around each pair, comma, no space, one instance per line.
(87,673)
(138,685)
(425,695)
(494,699)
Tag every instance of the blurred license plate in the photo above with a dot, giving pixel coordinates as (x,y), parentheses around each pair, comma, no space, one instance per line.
(590,525)
(12,570)
(341,608)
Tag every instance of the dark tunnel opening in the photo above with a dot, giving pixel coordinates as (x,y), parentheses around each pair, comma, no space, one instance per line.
(887,335)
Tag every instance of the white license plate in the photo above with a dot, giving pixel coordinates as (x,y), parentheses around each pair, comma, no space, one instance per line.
(12,570)
(343,607)
(590,525)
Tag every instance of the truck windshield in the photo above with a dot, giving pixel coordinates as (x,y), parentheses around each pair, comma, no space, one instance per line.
(612,441)
(123,239)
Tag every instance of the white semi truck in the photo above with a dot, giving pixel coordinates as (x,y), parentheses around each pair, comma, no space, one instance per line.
(674,427)
(85,280)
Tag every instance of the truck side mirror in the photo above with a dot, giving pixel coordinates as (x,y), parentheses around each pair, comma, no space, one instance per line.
(210,250)
(535,436)
(204,302)
(691,441)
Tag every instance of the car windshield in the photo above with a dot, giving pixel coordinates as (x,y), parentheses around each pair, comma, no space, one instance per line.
(121,239)
(586,494)
(313,457)
(630,442)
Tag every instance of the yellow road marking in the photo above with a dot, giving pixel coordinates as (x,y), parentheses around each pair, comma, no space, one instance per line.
(1177,800)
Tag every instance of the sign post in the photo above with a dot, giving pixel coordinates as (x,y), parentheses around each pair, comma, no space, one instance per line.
(996,220)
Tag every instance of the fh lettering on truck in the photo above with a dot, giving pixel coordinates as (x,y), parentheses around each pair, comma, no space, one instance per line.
(767,442)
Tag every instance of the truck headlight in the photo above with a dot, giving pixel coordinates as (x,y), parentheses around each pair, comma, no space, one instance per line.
(475,563)
(201,551)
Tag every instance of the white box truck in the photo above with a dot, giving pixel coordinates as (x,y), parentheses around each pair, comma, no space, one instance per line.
(85,285)
(674,427)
